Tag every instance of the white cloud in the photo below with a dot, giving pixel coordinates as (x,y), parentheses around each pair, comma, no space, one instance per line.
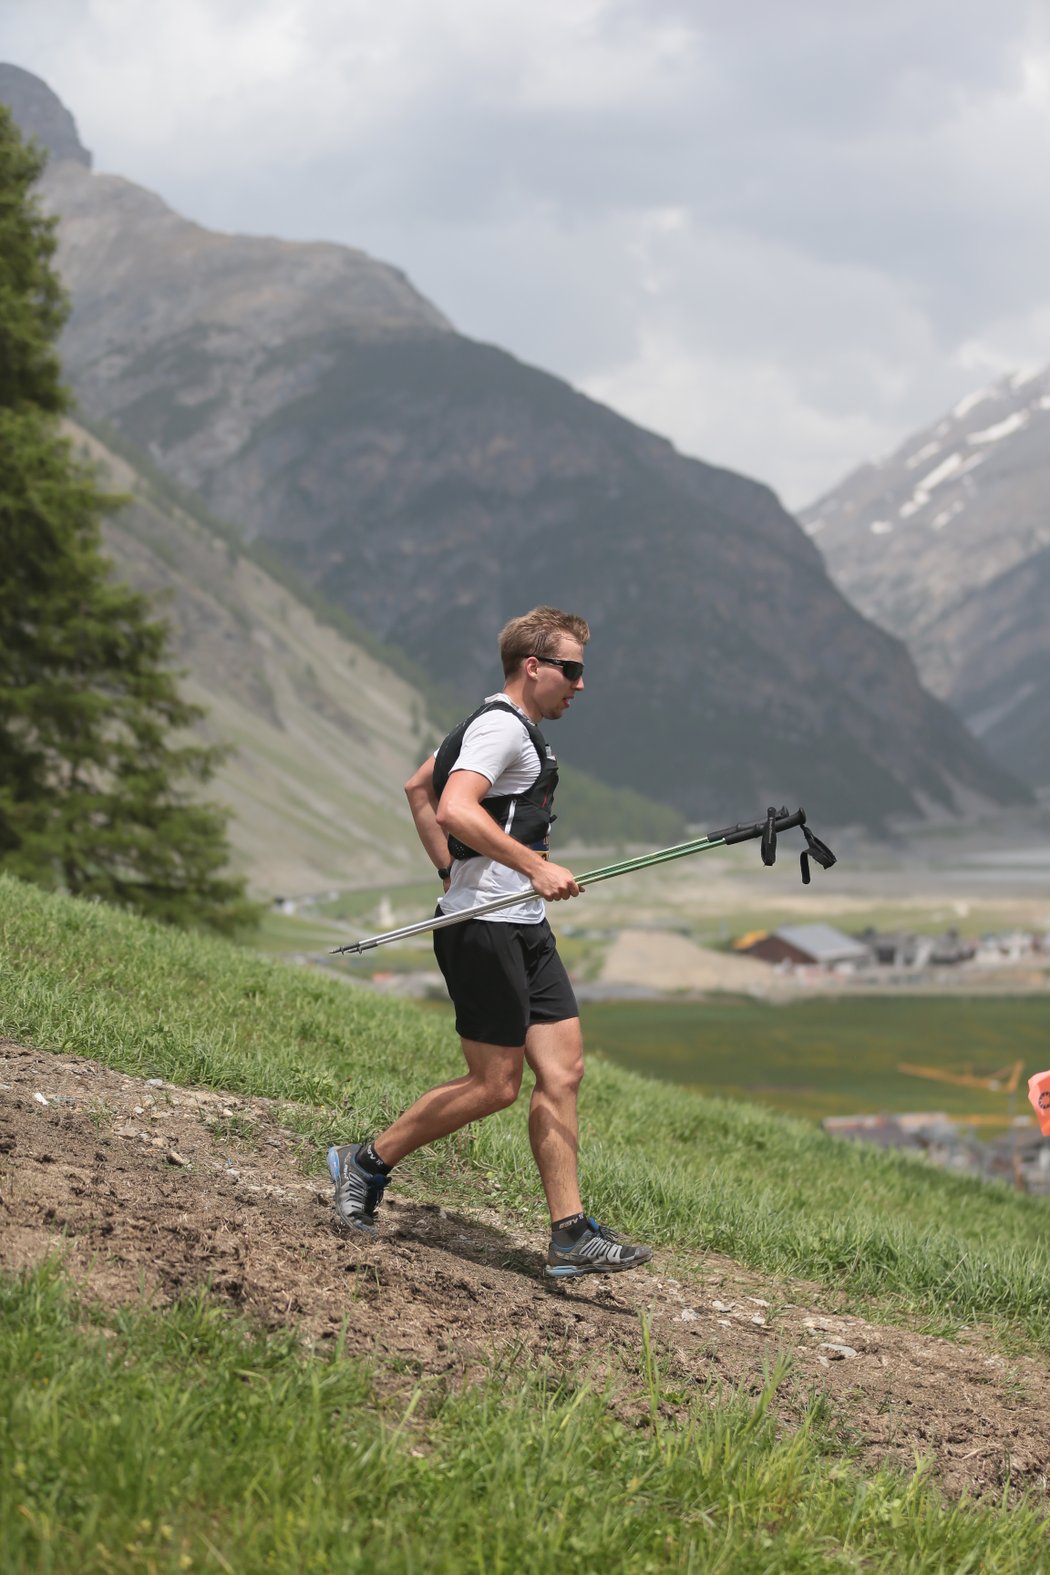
(783,235)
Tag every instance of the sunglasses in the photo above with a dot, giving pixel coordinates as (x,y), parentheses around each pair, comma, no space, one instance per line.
(572,670)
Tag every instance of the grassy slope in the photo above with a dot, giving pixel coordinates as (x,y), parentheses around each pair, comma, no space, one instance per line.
(767,1189)
(529,1473)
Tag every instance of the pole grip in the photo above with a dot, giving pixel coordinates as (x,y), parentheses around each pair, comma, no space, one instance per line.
(757,828)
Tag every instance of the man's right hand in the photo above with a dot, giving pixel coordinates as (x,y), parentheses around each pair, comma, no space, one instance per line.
(553,882)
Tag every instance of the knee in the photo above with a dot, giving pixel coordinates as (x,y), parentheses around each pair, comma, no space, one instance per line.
(561,1082)
(501,1091)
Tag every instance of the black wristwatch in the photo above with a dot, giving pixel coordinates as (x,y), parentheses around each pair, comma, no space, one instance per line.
(445,872)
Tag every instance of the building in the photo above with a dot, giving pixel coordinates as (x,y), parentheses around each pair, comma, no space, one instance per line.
(808,945)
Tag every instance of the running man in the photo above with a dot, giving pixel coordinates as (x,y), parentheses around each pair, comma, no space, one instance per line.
(482,809)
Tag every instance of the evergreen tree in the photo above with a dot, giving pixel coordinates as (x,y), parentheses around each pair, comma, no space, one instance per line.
(98,780)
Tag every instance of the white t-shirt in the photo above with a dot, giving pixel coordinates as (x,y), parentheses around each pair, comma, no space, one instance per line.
(497,746)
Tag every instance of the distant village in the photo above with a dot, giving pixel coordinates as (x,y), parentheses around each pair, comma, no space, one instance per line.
(892,956)
(1020,1156)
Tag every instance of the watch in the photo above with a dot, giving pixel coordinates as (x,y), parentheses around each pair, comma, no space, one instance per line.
(445,872)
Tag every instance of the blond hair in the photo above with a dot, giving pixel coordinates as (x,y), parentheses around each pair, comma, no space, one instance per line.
(536,633)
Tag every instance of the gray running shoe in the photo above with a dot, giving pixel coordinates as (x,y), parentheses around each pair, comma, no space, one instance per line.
(598,1251)
(358,1192)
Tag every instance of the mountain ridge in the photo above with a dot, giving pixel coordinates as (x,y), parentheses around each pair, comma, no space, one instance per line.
(946,543)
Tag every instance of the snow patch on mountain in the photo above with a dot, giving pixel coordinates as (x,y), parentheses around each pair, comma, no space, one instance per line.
(1001,429)
(967,403)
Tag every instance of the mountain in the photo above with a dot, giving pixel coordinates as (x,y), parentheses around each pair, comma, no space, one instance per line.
(323,726)
(946,543)
(323,733)
(434,486)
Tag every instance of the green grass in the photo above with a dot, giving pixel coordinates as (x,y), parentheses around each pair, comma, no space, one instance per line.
(162,1442)
(147,1440)
(830,1056)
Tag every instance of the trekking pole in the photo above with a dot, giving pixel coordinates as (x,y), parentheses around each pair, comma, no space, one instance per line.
(775,822)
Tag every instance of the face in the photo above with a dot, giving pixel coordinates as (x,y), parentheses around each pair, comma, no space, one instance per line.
(553,691)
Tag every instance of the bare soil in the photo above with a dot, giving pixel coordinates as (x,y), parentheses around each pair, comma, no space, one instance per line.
(157,1191)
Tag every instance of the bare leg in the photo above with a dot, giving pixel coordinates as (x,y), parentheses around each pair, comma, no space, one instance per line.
(492,1083)
(554,1051)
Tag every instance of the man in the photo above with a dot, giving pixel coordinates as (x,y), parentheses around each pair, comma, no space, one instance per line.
(482,808)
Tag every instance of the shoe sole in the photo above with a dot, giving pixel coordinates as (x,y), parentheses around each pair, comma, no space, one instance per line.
(355,1221)
(572,1271)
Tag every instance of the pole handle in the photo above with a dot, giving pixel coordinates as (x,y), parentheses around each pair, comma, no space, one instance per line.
(757,828)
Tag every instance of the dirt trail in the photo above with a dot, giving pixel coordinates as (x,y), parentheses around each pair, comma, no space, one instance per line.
(167,1188)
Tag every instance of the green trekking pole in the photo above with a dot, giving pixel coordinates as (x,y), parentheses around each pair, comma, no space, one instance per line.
(768,829)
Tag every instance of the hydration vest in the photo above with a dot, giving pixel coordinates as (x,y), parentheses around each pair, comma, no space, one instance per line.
(525,816)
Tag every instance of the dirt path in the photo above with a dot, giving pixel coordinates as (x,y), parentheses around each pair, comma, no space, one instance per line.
(166,1188)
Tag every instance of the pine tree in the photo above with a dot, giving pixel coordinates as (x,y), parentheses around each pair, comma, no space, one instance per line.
(98,781)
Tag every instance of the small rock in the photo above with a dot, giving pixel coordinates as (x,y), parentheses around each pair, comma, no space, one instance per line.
(688,1315)
(721,1307)
(819,1323)
(41,1099)
(175,1158)
(724,1323)
(154,1082)
(759,1319)
(836,1352)
(756,1301)
(139,1111)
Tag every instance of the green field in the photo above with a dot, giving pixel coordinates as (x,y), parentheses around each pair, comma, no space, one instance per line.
(183,1438)
(831,1056)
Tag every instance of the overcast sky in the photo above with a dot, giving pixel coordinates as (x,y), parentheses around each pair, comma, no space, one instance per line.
(784,233)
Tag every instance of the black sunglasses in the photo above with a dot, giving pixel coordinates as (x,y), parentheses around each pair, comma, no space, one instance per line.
(572,670)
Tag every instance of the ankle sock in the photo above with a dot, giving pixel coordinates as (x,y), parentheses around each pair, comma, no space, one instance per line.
(565,1232)
(369,1160)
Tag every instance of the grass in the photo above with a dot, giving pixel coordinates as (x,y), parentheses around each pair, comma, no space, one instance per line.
(175,1440)
(140,1441)
(768,1190)
(830,1056)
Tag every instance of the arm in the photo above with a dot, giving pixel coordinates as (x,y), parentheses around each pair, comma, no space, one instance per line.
(422,801)
(461,815)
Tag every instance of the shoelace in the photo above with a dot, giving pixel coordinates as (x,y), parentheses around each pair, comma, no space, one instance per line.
(374,1185)
(605,1233)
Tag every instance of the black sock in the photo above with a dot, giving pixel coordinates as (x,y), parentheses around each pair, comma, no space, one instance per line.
(570,1229)
(369,1160)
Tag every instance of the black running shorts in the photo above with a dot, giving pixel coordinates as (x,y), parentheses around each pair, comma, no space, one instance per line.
(502,978)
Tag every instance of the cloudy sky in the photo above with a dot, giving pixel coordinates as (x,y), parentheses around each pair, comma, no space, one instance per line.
(783,234)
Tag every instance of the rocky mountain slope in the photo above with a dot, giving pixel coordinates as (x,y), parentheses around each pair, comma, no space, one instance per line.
(947,544)
(434,486)
(322,731)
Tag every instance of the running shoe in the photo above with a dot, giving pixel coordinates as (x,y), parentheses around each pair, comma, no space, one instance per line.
(358,1192)
(598,1251)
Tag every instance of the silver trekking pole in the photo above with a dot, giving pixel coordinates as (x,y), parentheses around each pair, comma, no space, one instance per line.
(774,822)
